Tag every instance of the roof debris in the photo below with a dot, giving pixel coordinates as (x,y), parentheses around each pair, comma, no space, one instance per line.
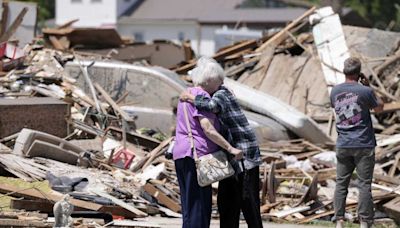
(79,122)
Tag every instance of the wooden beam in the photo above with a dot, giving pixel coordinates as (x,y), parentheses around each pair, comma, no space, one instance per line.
(391,107)
(36,194)
(114,105)
(156,151)
(162,198)
(56,43)
(47,207)
(282,35)
(4,17)
(220,55)
(23,223)
(390,180)
(120,203)
(14,26)
(67,24)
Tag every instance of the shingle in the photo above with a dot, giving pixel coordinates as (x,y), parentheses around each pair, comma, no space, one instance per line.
(210,11)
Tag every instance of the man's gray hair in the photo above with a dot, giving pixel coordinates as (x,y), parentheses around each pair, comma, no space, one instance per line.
(206,69)
(352,66)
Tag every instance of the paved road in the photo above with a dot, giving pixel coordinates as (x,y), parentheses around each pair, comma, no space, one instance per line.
(176,223)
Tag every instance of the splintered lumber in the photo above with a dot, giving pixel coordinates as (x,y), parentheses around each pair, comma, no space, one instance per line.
(114,105)
(23,223)
(120,203)
(14,26)
(36,194)
(67,24)
(317,216)
(32,205)
(266,207)
(47,207)
(255,79)
(222,54)
(387,189)
(156,151)
(4,17)
(264,186)
(282,35)
(135,138)
(311,193)
(162,198)
(56,43)
(272,184)
(284,213)
(391,107)
(390,180)
(392,208)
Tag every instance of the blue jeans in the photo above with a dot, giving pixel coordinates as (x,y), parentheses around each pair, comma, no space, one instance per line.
(363,161)
(196,201)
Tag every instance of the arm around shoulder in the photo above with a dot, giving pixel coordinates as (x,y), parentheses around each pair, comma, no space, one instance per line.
(213,135)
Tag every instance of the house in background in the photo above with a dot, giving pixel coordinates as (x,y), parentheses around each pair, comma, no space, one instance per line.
(198,21)
(92,13)
(208,24)
(176,20)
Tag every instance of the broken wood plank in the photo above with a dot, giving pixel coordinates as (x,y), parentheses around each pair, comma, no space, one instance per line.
(121,203)
(23,223)
(220,55)
(14,26)
(385,188)
(272,184)
(264,186)
(156,151)
(47,207)
(282,35)
(162,198)
(284,213)
(114,105)
(317,216)
(67,24)
(4,17)
(36,194)
(390,180)
(390,107)
(56,43)
(266,207)
(392,208)
(311,193)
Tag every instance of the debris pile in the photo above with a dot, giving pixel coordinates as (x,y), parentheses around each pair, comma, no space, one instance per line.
(95,130)
(298,184)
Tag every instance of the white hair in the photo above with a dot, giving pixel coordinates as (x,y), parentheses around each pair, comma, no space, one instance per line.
(206,69)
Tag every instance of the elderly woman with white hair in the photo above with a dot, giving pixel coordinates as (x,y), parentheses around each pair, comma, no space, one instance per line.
(196,201)
(239,192)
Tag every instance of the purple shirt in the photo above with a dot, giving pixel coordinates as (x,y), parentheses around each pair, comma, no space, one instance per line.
(202,143)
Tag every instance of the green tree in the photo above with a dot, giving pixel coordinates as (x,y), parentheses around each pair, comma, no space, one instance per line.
(46,9)
(382,14)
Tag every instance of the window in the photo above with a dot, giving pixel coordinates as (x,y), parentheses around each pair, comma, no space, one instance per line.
(181,36)
(138,37)
(76,1)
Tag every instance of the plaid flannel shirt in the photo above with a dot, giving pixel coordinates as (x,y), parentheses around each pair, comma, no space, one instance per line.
(239,133)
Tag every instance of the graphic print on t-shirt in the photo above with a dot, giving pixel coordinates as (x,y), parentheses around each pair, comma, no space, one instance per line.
(348,111)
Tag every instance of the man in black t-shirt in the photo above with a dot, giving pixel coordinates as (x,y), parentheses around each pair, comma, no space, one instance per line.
(356,142)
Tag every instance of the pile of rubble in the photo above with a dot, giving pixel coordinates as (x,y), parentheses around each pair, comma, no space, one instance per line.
(96,128)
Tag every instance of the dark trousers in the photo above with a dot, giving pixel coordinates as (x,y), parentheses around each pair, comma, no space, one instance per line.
(240,193)
(196,201)
(363,161)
